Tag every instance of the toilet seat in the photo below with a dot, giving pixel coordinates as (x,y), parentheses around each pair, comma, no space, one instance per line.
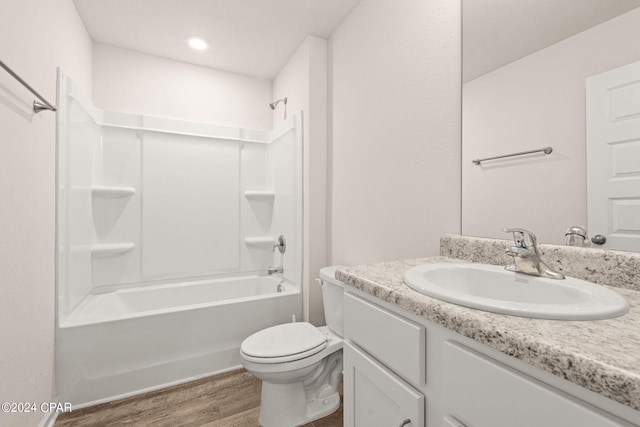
(283,343)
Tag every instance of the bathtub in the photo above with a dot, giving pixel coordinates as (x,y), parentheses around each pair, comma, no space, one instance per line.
(128,341)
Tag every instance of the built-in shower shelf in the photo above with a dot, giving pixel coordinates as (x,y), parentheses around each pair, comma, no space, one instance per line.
(266,241)
(111,249)
(113,192)
(259,195)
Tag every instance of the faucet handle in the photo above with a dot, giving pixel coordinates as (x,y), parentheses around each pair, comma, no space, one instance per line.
(522,238)
(281,244)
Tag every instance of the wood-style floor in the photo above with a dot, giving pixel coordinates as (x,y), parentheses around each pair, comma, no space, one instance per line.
(227,400)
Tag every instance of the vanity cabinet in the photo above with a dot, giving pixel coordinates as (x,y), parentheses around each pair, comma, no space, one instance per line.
(403,370)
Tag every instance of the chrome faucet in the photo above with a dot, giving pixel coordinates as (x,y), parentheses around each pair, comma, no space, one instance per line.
(273,270)
(526,257)
(281,245)
(576,236)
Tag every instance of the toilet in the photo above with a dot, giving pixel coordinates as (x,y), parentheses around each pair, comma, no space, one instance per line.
(299,364)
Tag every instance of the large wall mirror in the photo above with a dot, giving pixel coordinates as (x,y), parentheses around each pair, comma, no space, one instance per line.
(526,65)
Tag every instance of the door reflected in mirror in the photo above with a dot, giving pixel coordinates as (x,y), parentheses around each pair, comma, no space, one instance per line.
(525,68)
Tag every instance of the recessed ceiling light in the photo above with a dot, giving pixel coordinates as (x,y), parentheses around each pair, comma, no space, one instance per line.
(197,43)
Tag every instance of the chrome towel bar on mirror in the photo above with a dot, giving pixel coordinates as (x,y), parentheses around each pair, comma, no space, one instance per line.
(545,150)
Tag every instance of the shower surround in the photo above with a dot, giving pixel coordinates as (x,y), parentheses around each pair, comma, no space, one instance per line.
(165,233)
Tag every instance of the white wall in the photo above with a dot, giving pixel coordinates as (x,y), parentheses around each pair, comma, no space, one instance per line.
(536,102)
(133,82)
(35,37)
(395,142)
(303,80)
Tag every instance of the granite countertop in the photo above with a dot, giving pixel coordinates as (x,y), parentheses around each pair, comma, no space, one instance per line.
(602,355)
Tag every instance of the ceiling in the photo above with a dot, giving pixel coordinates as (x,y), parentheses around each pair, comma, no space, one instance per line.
(497,32)
(252,37)
(256,37)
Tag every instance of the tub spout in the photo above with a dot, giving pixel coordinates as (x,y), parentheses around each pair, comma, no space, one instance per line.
(272,270)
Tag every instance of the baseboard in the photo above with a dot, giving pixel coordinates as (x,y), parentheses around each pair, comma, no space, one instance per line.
(49,419)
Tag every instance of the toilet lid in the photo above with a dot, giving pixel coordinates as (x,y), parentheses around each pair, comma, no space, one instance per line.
(285,340)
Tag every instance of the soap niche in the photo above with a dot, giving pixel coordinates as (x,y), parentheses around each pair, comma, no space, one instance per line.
(109,263)
(108,205)
(261,204)
(260,246)
(111,252)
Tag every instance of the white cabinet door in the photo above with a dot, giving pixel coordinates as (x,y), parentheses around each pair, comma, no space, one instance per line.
(375,397)
(482,392)
(613,157)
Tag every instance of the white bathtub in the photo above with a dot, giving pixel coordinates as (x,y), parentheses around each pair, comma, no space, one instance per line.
(125,342)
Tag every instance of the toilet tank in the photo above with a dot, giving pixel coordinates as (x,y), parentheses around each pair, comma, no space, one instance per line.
(332,293)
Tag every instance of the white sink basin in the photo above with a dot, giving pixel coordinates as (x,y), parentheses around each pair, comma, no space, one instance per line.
(492,288)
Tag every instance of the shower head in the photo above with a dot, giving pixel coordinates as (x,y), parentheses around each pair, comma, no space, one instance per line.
(274,104)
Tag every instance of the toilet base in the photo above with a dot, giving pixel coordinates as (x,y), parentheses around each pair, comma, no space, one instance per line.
(285,405)
(320,408)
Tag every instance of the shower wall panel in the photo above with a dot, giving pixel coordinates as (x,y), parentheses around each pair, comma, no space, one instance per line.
(78,141)
(117,214)
(148,200)
(190,219)
(256,213)
(285,156)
